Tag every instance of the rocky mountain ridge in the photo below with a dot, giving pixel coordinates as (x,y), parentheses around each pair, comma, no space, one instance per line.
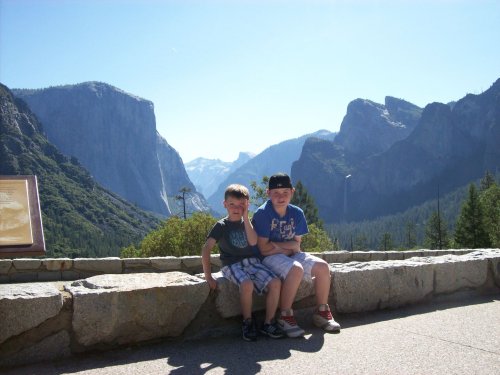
(276,158)
(113,134)
(450,145)
(370,128)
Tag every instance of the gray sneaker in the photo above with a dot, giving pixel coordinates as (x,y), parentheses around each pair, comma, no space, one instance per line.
(289,325)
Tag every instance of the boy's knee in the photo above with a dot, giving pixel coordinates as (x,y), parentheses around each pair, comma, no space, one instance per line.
(297,271)
(321,268)
(297,268)
(246,286)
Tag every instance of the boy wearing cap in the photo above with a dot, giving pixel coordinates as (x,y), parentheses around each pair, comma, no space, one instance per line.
(241,262)
(280,227)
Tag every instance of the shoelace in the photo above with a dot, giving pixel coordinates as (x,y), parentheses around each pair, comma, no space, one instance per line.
(327,314)
(289,319)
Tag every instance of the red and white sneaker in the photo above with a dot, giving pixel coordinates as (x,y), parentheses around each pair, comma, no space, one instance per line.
(323,318)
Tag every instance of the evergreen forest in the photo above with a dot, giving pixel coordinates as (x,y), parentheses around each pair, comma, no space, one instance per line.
(412,229)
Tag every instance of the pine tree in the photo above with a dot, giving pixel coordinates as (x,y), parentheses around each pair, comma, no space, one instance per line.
(487,181)
(361,243)
(470,229)
(259,196)
(386,242)
(411,235)
(490,201)
(436,235)
(302,199)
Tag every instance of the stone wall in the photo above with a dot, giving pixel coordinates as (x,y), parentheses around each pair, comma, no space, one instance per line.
(65,269)
(47,320)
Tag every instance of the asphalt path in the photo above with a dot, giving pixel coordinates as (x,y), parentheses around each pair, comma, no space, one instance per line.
(458,335)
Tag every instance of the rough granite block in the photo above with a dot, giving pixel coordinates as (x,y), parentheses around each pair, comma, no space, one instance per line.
(72,275)
(134,307)
(100,265)
(4,279)
(360,256)
(166,263)
(49,276)
(23,277)
(192,262)
(26,264)
(25,306)
(215,260)
(5,266)
(58,264)
(342,257)
(136,263)
(378,255)
(412,253)
(395,255)
(53,347)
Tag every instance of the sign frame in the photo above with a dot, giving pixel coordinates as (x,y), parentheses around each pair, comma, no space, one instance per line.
(37,246)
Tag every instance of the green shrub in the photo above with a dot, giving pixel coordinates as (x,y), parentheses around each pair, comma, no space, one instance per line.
(317,240)
(175,237)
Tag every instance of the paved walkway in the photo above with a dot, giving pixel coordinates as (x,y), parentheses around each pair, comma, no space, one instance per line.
(442,337)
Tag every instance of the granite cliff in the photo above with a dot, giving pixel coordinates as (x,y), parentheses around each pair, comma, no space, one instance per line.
(368,172)
(370,128)
(113,134)
(80,217)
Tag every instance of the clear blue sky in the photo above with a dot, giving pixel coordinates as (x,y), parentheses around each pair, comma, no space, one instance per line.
(230,76)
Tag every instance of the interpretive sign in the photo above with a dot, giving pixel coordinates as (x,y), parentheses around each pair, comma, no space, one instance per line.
(21,231)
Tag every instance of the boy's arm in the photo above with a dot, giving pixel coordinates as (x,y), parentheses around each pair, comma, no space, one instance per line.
(293,245)
(249,230)
(267,247)
(205,259)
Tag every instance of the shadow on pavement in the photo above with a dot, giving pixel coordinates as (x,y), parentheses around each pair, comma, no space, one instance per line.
(238,356)
(230,352)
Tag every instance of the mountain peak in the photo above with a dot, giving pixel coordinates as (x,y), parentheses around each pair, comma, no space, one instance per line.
(97,88)
(369,128)
(243,157)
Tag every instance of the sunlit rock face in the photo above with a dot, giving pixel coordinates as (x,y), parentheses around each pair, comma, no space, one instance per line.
(135,307)
(113,134)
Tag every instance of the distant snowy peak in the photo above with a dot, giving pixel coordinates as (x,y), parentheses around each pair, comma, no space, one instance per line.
(199,165)
(206,174)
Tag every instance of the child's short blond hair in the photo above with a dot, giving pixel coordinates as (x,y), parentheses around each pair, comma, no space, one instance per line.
(237,191)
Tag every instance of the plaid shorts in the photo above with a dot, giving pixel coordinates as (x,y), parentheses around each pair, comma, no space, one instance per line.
(249,269)
(281,263)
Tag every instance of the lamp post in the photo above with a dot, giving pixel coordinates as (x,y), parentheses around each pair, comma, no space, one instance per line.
(346,180)
(440,241)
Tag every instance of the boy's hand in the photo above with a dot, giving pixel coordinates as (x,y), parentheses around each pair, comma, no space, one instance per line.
(211,283)
(245,207)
